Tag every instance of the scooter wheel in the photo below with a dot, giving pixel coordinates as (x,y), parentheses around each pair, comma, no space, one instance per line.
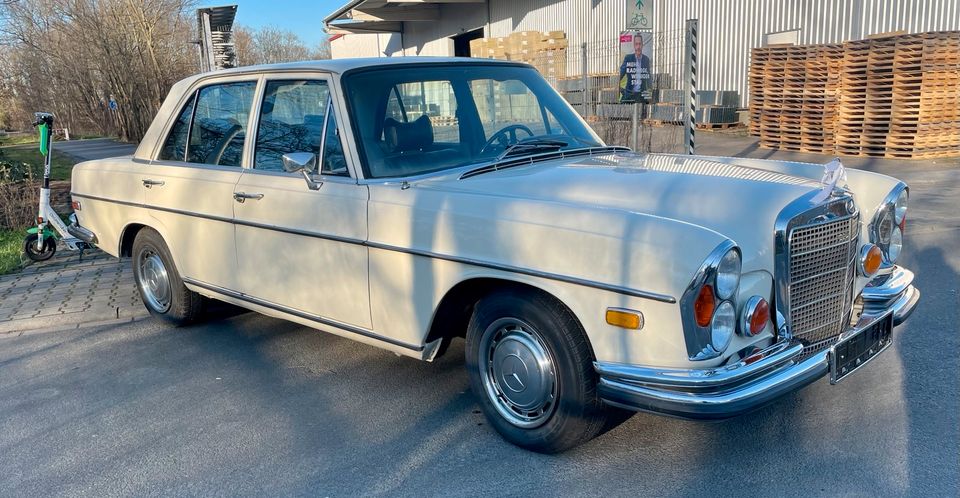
(30,248)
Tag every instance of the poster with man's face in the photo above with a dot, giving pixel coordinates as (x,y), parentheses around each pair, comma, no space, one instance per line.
(636,68)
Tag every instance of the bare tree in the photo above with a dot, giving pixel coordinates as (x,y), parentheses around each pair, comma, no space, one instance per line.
(100,65)
(270,45)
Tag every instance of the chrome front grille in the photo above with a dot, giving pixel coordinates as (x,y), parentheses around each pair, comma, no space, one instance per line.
(822,258)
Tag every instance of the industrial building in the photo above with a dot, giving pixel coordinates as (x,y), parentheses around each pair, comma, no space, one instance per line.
(729,29)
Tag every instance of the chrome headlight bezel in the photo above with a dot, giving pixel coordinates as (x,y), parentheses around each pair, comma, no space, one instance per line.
(700,339)
(886,227)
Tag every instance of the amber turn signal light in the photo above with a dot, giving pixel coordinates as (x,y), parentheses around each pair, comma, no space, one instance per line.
(623,318)
(704,306)
(870,259)
(756,314)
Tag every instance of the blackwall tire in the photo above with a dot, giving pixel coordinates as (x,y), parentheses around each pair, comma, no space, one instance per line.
(30,248)
(531,367)
(160,285)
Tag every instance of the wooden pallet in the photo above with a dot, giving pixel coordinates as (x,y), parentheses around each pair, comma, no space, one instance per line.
(895,95)
(716,126)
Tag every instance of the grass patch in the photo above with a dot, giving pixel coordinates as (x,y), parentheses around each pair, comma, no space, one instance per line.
(19,139)
(11,247)
(59,169)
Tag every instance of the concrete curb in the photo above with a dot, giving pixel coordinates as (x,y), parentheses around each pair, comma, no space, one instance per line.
(74,326)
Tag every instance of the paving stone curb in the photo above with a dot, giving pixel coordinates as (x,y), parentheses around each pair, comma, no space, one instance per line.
(69,291)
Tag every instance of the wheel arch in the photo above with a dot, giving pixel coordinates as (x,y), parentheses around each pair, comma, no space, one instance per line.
(452,314)
(129,234)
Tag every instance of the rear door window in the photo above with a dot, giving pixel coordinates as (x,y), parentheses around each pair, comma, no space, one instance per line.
(219,125)
(175,148)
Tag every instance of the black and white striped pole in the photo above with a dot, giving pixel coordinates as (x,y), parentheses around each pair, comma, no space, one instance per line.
(690,75)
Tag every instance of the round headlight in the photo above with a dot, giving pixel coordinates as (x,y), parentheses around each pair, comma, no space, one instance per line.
(896,243)
(723,326)
(728,274)
(900,208)
(884,228)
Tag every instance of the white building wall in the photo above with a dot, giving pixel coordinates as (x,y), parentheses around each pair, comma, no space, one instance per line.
(433,38)
(366,45)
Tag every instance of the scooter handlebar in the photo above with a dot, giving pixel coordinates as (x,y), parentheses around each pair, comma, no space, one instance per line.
(43,118)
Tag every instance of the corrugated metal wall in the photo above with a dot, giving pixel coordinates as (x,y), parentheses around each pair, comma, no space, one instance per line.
(730,28)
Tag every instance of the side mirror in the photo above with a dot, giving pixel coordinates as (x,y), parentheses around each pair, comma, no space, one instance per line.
(295,162)
(305,163)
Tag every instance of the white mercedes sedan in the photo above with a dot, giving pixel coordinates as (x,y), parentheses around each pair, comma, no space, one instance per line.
(408,202)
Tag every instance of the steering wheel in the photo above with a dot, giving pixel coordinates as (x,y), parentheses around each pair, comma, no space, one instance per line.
(506,137)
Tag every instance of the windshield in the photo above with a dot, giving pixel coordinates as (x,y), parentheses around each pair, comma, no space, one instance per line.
(411,120)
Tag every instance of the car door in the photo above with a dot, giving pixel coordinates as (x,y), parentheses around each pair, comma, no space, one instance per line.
(298,249)
(190,185)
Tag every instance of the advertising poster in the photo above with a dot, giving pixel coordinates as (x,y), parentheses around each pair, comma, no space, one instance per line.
(636,68)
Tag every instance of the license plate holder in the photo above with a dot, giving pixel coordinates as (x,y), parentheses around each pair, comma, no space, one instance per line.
(859,347)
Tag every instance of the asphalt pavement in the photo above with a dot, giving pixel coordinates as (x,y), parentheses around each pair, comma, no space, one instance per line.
(96,148)
(244,404)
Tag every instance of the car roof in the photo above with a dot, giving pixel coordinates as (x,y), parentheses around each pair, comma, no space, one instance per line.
(343,65)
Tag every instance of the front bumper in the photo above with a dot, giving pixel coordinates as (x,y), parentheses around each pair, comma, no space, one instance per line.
(758,378)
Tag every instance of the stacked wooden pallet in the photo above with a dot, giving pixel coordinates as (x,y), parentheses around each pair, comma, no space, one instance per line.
(547,51)
(938,130)
(892,96)
(818,117)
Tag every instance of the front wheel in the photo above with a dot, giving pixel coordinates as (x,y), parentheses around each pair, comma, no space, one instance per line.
(46,251)
(531,367)
(160,285)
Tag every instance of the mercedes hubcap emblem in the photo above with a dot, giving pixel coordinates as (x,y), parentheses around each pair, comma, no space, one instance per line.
(512,365)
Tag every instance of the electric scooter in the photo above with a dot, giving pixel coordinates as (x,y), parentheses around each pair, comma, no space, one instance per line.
(41,241)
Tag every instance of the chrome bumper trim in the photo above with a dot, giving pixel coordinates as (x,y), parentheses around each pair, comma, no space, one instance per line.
(894,291)
(725,403)
(727,391)
(82,234)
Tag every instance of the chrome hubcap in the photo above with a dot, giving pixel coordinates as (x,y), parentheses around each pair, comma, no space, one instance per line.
(154,282)
(518,373)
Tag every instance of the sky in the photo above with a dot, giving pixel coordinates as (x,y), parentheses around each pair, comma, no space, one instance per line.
(303,17)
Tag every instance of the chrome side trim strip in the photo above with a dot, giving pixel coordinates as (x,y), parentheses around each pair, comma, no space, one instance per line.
(301,314)
(664,298)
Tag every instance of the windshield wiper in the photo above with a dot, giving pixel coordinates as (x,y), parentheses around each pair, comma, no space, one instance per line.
(531,145)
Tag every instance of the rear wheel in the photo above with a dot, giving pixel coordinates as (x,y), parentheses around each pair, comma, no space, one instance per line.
(161,287)
(531,368)
(46,251)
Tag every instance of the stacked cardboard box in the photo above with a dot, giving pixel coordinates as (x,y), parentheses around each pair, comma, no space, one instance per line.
(894,96)
(546,51)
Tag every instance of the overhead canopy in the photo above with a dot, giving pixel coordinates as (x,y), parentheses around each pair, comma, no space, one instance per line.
(385,16)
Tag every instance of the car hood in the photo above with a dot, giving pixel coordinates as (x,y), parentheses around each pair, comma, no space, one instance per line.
(738,202)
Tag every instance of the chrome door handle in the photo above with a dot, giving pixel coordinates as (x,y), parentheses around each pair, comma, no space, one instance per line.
(149,183)
(242,196)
